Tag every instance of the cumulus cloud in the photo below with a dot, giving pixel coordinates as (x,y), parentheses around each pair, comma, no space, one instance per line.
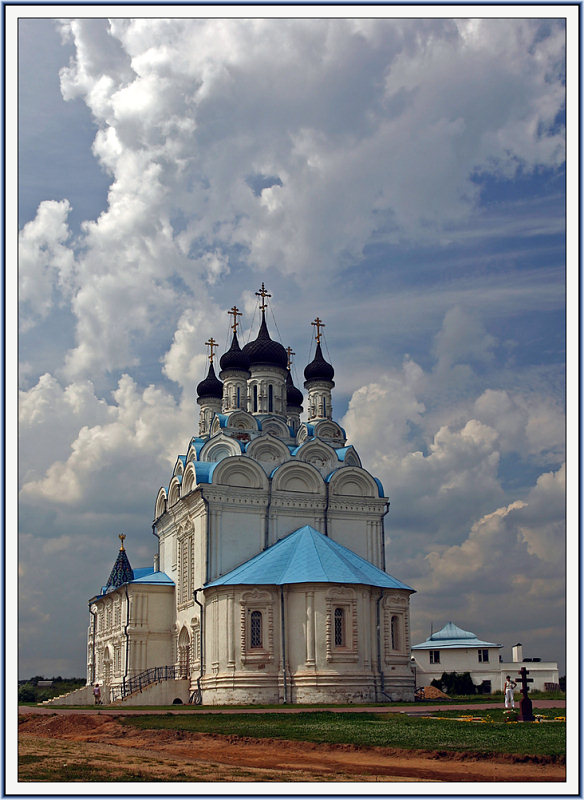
(117,461)
(527,423)
(361,127)
(46,261)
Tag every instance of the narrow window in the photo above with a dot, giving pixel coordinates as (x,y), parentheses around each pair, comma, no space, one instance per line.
(256,629)
(238,397)
(324,406)
(255,397)
(483,656)
(270,397)
(434,656)
(394,633)
(339,627)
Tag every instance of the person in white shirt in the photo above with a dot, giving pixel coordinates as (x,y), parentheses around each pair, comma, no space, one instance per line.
(508,689)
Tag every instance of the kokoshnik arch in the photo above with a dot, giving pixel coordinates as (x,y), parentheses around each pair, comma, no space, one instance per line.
(269,584)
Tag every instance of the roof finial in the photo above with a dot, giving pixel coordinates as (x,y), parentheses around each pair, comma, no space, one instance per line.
(290,354)
(211,343)
(318,323)
(235,313)
(263,294)
(121,537)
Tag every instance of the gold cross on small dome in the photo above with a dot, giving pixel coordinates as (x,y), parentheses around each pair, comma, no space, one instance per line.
(235,313)
(318,323)
(263,294)
(211,343)
(290,354)
(121,537)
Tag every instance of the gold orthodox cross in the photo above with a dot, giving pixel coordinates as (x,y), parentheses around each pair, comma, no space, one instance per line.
(235,313)
(211,343)
(121,537)
(318,323)
(290,354)
(263,294)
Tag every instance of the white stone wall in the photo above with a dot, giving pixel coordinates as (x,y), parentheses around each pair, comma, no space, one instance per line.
(462,660)
(317,668)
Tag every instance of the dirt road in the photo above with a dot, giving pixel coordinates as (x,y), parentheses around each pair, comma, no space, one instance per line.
(81,746)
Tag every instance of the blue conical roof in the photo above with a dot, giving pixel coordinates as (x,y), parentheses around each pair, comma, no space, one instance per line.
(306,556)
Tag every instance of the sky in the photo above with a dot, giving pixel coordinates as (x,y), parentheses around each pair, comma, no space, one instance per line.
(401,178)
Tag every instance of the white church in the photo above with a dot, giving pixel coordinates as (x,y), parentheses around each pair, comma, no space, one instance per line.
(269,583)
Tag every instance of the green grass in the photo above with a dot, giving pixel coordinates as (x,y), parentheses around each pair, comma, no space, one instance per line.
(371,729)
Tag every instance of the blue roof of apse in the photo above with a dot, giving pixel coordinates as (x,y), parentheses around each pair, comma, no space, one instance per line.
(452,636)
(306,556)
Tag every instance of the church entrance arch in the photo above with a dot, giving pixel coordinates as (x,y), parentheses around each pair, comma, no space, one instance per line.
(184,654)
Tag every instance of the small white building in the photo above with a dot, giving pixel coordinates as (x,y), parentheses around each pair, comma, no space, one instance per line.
(452,649)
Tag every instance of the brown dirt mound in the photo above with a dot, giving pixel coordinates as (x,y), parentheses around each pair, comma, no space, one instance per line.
(432,693)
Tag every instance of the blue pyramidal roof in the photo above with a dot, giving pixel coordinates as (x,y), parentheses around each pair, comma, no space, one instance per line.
(121,572)
(306,556)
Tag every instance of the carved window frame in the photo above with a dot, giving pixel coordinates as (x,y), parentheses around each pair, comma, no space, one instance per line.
(185,568)
(396,606)
(264,603)
(345,599)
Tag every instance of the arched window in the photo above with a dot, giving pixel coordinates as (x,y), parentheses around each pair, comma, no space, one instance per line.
(395,633)
(255,397)
(238,397)
(255,630)
(270,397)
(339,627)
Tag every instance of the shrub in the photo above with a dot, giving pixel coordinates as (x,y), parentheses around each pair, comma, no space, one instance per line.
(455,683)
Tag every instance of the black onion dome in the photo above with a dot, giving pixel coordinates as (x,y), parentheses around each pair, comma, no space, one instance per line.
(319,369)
(234,358)
(265,351)
(294,396)
(211,386)
(121,572)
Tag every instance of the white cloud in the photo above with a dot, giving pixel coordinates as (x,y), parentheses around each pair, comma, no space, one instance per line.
(119,461)
(46,262)
(363,126)
(527,423)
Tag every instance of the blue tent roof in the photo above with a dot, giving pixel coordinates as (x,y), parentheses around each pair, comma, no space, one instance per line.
(452,636)
(306,556)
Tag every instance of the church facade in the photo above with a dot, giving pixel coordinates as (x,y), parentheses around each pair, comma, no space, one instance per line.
(269,583)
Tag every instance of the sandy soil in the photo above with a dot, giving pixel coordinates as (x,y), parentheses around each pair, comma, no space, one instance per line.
(102,749)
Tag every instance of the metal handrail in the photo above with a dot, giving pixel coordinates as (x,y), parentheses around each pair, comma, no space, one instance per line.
(144,679)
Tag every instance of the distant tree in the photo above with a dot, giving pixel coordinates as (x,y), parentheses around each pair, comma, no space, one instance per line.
(563,683)
(26,694)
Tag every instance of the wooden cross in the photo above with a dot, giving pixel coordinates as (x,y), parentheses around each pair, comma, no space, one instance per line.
(121,537)
(211,343)
(263,294)
(290,354)
(318,323)
(235,313)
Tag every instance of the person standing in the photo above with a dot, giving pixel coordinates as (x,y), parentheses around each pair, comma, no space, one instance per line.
(508,689)
(97,694)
